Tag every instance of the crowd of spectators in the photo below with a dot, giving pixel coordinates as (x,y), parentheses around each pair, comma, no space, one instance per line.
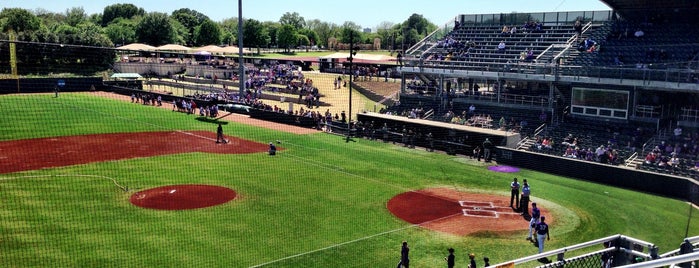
(679,153)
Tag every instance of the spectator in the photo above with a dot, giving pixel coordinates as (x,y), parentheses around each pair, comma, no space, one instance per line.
(618,60)
(639,33)
(505,30)
(577,27)
(501,46)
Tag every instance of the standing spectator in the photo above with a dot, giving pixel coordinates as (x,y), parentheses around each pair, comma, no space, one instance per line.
(450,259)
(399,57)
(514,194)
(536,214)
(577,27)
(430,142)
(524,200)
(677,133)
(477,153)
(487,147)
(486,261)
(542,231)
(472,262)
(685,248)
(404,258)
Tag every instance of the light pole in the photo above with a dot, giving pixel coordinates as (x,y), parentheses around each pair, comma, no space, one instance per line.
(350,58)
(241,60)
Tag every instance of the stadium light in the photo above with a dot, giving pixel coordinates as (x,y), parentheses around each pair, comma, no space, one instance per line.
(353,52)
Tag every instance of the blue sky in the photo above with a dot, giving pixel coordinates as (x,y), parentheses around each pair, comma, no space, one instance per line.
(366,13)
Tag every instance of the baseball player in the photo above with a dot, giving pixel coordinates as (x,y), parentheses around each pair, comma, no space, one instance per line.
(219,135)
(542,232)
(536,213)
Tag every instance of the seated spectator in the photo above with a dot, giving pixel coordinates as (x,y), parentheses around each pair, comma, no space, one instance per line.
(547,143)
(530,55)
(618,60)
(589,43)
(505,30)
(538,27)
(650,158)
(513,30)
(674,161)
(501,46)
(568,140)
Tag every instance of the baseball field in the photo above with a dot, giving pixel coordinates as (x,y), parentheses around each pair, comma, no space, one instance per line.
(88,181)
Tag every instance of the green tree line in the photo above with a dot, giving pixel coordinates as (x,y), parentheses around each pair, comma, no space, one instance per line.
(121,24)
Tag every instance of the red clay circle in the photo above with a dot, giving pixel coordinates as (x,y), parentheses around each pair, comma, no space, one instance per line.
(460,213)
(179,197)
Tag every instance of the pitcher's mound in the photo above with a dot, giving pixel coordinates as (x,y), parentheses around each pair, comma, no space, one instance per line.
(177,197)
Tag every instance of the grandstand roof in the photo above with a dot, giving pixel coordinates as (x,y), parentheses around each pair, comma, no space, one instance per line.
(641,10)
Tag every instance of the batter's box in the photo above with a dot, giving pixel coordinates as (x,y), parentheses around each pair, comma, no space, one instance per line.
(480,213)
(483,209)
(476,204)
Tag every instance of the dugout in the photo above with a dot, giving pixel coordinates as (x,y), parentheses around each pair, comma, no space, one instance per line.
(451,138)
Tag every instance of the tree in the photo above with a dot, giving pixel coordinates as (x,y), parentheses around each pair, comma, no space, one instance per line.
(324,31)
(420,24)
(302,40)
(273,32)
(207,33)
(155,29)
(255,34)
(126,11)
(356,35)
(311,35)
(293,19)
(121,31)
(75,16)
(19,20)
(286,37)
(384,32)
(229,30)
(190,19)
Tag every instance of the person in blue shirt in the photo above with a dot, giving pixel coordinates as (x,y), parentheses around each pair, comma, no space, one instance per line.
(542,232)
(536,214)
(524,200)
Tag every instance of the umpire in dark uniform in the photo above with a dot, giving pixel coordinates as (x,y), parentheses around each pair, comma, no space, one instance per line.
(514,194)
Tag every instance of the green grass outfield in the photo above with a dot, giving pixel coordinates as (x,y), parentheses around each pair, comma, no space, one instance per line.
(319,203)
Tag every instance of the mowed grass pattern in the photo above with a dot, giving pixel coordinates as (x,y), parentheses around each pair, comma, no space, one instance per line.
(320,203)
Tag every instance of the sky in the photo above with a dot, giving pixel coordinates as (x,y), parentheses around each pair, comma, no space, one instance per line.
(366,13)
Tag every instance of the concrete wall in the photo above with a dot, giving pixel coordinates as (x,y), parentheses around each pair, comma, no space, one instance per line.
(638,180)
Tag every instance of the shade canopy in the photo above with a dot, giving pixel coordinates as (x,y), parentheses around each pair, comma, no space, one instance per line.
(137,46)
(173,47)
